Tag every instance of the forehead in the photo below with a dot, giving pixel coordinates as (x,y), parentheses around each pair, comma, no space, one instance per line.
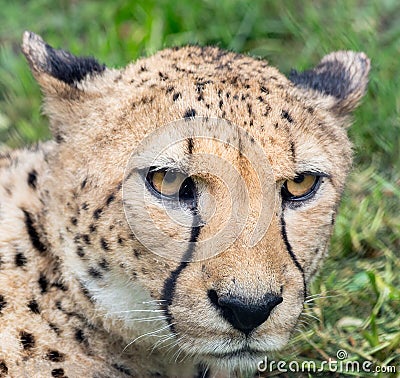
(210,83)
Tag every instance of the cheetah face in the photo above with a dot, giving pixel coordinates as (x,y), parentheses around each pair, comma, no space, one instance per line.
(197,191)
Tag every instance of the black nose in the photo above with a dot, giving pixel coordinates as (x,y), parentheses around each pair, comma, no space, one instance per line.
(244,316)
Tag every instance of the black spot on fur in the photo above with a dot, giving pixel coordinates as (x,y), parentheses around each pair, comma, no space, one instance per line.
(32,179)
(79,336)
(103,264)
(80,252)
(85,206)
(33,234)
(163,76)
(3,369)
(27,340)
(3,303)
(20,259)
(94,273)
(136,253)
(83,184)
(286,115)
(55,329)
(86,239)
(55,356)
(293,150)
(97,213)
(74,221)
(122,369)
(43,283)
(190,145)
(264,90)
(110,199)
(221,102)
(58,373)
(190,113)
(176,96)
(92,228)
(34,307)
(104,244)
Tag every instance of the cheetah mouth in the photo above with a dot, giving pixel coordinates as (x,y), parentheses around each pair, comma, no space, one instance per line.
(241,353)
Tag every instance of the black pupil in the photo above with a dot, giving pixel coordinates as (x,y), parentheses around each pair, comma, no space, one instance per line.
(299,179)
(186,192)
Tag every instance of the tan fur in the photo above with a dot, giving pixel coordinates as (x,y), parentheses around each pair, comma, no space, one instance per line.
(74,278)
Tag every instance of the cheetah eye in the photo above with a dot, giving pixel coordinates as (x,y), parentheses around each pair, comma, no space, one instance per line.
(302,187)
(172,184)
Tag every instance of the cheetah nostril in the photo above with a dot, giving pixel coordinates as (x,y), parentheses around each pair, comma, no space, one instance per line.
(242,315)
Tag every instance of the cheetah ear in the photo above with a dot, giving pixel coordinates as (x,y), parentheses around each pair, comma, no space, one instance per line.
(58,72)
(337,83)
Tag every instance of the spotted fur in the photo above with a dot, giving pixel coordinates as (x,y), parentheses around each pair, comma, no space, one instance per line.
(80,296)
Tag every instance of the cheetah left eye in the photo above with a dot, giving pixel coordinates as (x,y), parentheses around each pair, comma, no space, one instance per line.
(172,184)
(302,187)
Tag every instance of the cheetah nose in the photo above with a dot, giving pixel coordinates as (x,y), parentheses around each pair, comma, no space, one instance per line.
(243,316)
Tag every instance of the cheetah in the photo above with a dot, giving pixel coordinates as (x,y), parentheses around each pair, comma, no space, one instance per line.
(172,225)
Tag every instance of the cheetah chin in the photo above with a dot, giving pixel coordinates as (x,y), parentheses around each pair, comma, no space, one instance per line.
(172,225)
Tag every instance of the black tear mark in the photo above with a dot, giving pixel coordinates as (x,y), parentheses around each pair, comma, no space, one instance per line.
(27,340)
(286,115)
(32,179)
(170,283)
(122,369)
(20,259)
(291,253)
(33,234)
(34,307)
(55,356)
(58,373)
(190,113)
(43,283)
(3,303)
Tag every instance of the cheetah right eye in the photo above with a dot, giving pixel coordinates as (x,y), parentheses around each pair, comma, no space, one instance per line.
(171,184)
(302,187)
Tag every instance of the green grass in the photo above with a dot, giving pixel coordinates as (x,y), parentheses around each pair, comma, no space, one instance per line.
(359,307)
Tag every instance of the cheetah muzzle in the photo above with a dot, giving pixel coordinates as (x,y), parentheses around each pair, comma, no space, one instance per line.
(172,225)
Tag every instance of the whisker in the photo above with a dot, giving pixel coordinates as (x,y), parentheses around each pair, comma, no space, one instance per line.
(152,333)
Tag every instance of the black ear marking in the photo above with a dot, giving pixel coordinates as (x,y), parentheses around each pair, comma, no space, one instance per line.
(342,74)
(59,64)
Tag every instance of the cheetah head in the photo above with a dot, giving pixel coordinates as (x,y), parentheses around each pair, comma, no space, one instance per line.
(191,195)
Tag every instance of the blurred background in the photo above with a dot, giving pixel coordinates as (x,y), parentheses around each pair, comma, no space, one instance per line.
(356,298)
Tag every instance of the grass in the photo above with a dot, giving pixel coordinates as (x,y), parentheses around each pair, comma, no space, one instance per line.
(359,306)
